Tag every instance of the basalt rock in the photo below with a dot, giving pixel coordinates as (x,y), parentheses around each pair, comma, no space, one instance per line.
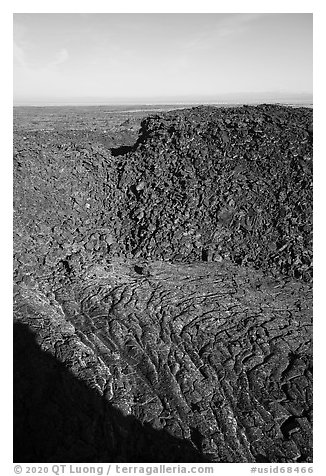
(232,182)
(163,296)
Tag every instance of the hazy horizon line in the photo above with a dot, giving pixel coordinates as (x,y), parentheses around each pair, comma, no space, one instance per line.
(171,100)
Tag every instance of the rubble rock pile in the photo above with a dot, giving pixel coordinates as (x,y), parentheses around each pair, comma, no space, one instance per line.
(63,207)
(209,184)
(162,301)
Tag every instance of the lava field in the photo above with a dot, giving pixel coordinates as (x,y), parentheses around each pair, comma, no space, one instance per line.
(163,286)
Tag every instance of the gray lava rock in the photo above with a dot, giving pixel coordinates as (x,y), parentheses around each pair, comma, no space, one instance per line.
(164,290)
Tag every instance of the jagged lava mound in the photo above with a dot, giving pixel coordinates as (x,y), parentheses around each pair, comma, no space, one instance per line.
(204,184)
(215,183)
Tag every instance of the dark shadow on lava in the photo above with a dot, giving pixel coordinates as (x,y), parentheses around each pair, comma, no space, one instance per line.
(57,418)
(123,149)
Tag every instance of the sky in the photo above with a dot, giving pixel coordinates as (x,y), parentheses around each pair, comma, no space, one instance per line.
(107,57)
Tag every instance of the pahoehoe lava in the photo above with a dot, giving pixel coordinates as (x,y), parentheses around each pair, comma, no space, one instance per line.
(163,290)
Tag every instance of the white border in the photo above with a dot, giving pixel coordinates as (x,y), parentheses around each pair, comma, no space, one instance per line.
(168,6)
